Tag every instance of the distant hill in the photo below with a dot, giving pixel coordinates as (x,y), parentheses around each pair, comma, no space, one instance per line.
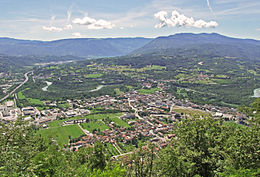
(83,47)
(206,43)
(13,63)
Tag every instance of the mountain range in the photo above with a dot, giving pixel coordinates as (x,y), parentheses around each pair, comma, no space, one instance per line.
(83,47)
(204,43)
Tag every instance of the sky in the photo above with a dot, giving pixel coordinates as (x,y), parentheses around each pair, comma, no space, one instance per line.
(59,19)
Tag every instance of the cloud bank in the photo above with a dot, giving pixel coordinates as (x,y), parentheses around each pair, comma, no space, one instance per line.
(92,23)
(180,20)
(52,28)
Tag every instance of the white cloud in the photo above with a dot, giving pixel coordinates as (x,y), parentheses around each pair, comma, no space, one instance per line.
(77,35)
(53,18)
(258,29)
(69,26)
(181,20)
(92,23)
(52,28)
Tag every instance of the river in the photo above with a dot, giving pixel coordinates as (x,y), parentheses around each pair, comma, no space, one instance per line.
(45,89)
(257,93)
(98,88)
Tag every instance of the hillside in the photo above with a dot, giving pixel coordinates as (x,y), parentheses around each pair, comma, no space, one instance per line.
(214,44)
(15,63)
(84,47)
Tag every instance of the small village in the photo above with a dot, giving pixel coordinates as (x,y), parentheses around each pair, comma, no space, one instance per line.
(150,117)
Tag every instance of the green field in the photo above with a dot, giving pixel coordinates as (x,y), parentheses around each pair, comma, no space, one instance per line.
(126,147)
(61,134)
(64,105)
(103,116)
(158,67)
(111,149)
(90,126)
(118,91)
(148,91)
(34,101)
(40,108)
(31,101)
(21,96)
(93,76)
(120,122)
(191,112)
(58,123)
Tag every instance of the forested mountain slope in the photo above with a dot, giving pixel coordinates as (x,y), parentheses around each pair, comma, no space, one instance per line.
(85,47)
(214,44)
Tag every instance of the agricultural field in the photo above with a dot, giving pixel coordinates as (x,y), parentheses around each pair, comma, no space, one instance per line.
(64,105)
(25,101)
(103,116)
(93,76)
(62,134)
(126,147)
(111,149)
(120,122)
(201,79)
(190,111)
(148,91)
(94,125)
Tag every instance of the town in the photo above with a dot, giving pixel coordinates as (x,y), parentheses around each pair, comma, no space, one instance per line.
(137,118)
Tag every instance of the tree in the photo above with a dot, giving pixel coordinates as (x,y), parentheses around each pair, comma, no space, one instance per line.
(142,162)
(18,146)
(208,147)
(98,158)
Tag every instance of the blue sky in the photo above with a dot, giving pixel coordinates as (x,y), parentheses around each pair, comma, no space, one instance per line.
(58,19)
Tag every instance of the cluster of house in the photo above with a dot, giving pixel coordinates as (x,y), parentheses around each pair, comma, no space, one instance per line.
(155,123)
(107,102)
(9,112)
(140,130)
(54,114)
(150,116)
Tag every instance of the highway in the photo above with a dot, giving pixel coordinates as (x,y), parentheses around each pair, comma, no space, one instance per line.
(9,94)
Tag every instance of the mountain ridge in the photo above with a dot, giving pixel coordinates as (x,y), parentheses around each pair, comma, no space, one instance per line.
(83,47)
(214,43)
(191,40)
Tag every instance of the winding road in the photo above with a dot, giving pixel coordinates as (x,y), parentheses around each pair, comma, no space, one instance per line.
(136,113)
(9,94)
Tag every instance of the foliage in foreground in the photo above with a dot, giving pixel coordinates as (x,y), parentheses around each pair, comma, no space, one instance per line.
(203,147)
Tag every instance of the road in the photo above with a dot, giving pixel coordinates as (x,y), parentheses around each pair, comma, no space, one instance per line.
(120,155)
(9,94)
(139,117)
(136,113)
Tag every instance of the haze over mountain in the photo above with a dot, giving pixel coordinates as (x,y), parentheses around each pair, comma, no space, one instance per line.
(212,43)
(203,44)
(84,47)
